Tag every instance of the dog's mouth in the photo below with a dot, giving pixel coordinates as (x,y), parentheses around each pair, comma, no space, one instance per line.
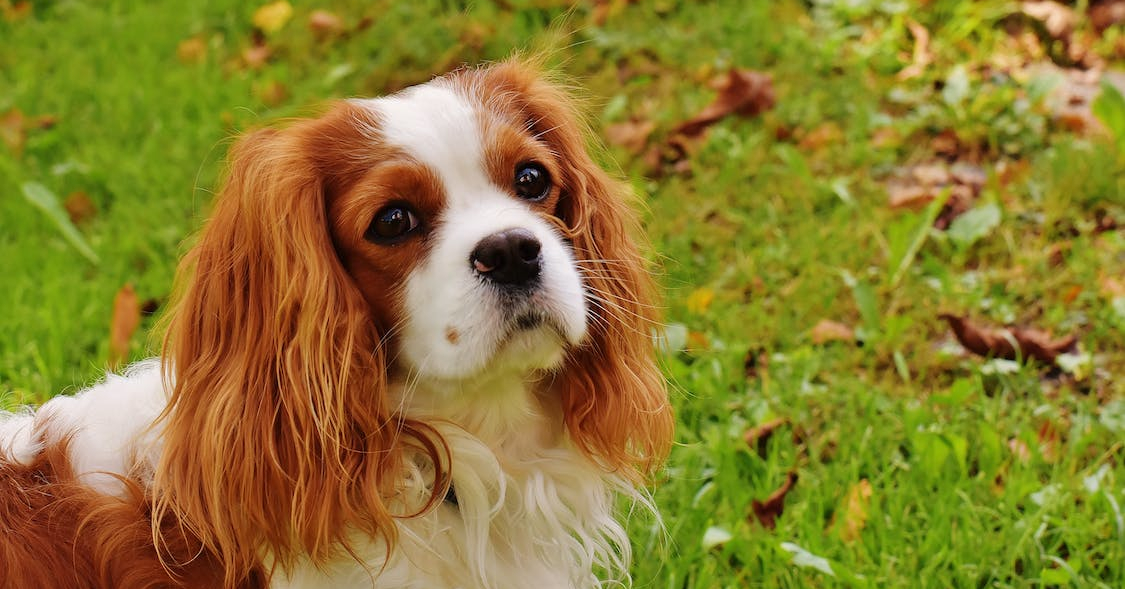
(534,320)
(528,321)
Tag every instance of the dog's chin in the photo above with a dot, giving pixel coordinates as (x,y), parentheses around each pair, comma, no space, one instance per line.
(533,343)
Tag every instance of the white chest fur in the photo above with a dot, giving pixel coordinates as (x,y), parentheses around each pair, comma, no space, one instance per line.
(530,512)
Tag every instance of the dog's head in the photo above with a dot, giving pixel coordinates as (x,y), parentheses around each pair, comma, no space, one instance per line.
(456,229)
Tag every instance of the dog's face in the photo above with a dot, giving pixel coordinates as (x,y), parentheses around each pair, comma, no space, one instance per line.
(460,213)
(455,230)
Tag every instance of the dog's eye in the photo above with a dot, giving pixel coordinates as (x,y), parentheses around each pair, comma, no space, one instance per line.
(391,223)
(532,181)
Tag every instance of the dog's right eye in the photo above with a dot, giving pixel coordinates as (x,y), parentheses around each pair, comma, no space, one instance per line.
(391,224)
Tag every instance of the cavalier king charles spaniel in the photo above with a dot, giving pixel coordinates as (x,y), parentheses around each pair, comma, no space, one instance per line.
(412,348)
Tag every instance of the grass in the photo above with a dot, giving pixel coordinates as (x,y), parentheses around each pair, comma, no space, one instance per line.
(978,477)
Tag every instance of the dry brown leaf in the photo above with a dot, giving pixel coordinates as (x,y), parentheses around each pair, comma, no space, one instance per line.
(931,174)
(885,137)
(191,51)
(1020,450)
(854,510)
(922,57)
(1072,293)
(825,134)
(1107,13)
(1012,343)
(256,56)
(910,196)
(325,24)
(1111,287)
(742,92)
(44,122)
(970,175)
(632,135)
(827,330)
(1058,19)
(14,11)
(12,130)
(960,200)
(697,341)
(607,9)
(79,207)
(126,318)
(270,18)
(1048,436)
(758,436)
(767,512)
(271,93)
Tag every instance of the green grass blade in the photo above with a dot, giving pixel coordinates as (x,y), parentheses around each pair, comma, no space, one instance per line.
(46,201)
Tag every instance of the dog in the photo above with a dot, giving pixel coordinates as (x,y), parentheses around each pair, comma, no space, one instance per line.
(411,348)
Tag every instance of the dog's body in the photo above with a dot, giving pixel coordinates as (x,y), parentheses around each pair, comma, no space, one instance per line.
(411,350)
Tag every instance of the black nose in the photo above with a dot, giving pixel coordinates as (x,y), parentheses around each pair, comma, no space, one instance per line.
(509,257)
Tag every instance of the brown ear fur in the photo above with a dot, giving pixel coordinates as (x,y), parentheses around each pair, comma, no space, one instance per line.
(614,397)
(278,434)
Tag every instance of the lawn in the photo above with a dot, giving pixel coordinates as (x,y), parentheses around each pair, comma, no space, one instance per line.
(922,158)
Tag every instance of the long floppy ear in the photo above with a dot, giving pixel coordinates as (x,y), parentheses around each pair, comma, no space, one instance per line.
(278,435)
(614,397)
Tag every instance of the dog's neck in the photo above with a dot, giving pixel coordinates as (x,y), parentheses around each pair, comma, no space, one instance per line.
(502,410)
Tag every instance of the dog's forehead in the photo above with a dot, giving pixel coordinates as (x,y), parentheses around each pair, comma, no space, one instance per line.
(440,125)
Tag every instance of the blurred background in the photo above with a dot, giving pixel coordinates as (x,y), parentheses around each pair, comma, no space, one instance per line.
(889,234)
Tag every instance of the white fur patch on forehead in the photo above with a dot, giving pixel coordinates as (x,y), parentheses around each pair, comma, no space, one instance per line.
(440,127)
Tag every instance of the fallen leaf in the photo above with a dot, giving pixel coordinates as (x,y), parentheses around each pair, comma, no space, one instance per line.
(697,341)
(946,143)
(12,130)
(700,300)
(44,122)
(1057,19)
(759,436)
(931,174)
(270,18)
(767,512)
(191,51)
(1048,436)
(825,134)
(1111,287)
(827,330)
(922,57)
(607,9)
(256,56)
(912,197)
(324,23)
(16,10)
(126,318)
(742,92)
(1020,450)
(1072,293)
(1012,343)
(854,510)
(1106,14)
(970,175)
(632,135)
(79,207)
(271,93)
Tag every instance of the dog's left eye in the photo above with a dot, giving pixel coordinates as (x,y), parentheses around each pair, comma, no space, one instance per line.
(391,223)
(532,181)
